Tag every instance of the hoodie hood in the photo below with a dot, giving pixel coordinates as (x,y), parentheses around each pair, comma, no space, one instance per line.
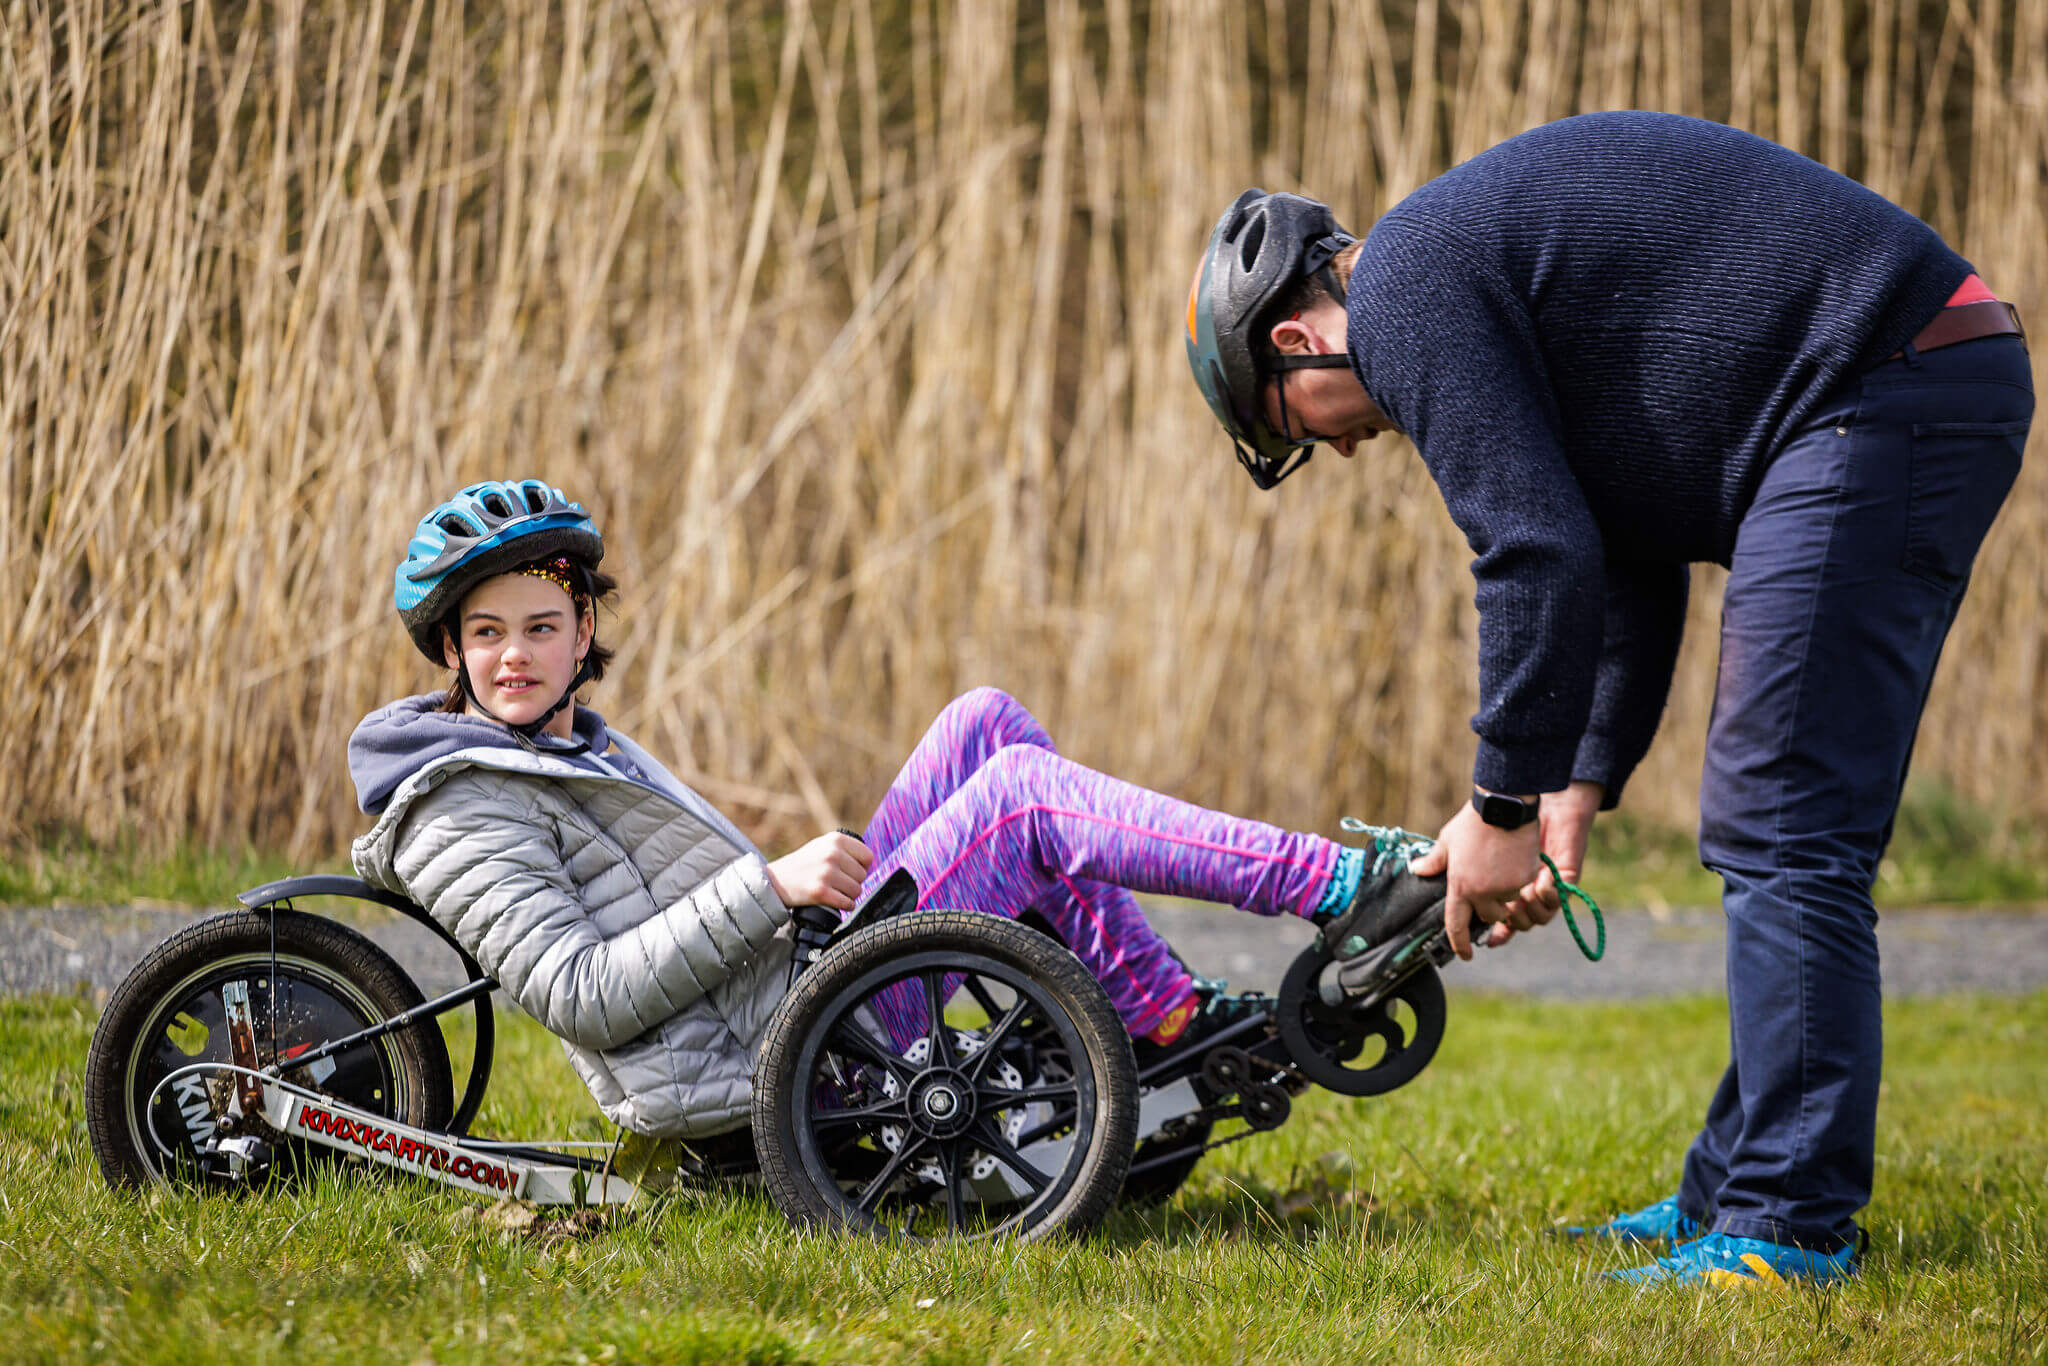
(400,738)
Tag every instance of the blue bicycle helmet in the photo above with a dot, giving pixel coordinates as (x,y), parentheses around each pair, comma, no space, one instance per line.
(484,530)
(1261,247)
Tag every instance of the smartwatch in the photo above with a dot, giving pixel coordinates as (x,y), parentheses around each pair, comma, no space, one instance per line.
(1500,810)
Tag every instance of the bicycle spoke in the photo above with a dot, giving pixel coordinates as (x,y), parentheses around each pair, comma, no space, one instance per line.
(981,996)
(935,1013)
(996,1095)
(872,1193)
(892,1108)
(994,1038)
(949,1173)
(998,1147)
(852,1039)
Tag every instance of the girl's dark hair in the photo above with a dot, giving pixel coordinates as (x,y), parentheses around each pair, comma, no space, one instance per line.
(602,587)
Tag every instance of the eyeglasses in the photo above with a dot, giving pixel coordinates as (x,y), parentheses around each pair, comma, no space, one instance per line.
(1265,470)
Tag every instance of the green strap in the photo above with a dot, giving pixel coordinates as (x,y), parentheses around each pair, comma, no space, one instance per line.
(1391,841)
(1565,892)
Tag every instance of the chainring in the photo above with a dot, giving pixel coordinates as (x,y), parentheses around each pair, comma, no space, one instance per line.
(1324,1036)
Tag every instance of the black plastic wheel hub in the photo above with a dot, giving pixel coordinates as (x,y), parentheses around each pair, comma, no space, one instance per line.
(942,1102)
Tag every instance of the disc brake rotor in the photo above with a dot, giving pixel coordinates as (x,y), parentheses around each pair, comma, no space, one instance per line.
(965,1045)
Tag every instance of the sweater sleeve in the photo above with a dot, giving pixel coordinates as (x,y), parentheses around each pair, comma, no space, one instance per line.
(488,866)
(1450,354)
(1645,619)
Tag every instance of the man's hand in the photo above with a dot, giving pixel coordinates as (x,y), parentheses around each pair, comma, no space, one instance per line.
(826,872)
(1566,820)
(1486,870)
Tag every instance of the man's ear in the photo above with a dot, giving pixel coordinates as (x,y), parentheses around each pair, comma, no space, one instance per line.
(1291,335)
(451,654)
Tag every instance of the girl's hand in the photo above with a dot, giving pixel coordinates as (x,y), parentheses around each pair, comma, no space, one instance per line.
(826,872)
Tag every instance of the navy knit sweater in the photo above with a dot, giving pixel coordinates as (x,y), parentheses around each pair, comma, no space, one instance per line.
(1597,333)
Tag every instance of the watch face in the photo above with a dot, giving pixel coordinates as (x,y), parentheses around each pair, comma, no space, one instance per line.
(1508,813)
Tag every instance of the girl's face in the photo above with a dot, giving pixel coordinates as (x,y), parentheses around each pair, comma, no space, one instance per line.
(521,641)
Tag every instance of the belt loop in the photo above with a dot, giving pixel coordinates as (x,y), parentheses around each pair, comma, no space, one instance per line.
(1912,356)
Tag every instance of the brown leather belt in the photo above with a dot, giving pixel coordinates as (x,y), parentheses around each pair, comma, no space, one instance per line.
(1967,322)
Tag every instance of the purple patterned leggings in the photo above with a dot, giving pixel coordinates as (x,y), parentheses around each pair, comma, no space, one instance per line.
(987,816)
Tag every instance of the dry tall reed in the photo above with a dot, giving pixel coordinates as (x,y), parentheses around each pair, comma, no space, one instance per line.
(856,322)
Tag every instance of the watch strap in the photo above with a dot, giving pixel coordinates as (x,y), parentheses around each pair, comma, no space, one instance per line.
(1503,811)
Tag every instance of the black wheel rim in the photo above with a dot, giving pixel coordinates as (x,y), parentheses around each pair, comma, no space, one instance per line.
(296,1004)
(1360,1049)
(944,1094)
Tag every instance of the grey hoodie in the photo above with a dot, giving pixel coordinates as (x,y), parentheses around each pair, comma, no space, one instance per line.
(615,905)
(400,738)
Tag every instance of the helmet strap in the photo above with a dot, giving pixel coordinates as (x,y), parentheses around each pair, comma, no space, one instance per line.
(1315,262)
(1265,471)
(1305,360)
(527,733)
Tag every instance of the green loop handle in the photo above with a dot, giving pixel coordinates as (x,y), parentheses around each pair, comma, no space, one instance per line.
(1565,892)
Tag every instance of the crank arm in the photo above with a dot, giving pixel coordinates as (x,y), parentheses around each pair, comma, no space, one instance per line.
(1187,1064)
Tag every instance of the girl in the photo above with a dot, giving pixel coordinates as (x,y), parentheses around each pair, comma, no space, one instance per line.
(623,912)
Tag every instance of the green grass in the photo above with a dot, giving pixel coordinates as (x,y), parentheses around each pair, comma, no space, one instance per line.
(67,867)
(1438,1246)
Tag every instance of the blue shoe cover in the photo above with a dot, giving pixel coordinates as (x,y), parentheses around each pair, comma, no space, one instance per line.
(1658,1223)
(1724,1259)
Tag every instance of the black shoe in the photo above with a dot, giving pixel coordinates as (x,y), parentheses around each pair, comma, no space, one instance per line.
(1215,1011)
(1390,902)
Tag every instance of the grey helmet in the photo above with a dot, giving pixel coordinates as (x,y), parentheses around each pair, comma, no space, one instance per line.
(1262,246)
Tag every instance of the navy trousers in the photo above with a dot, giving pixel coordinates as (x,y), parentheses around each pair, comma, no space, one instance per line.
(1847,572)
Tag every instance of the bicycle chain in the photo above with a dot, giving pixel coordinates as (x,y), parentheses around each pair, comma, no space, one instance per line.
(1279,1075)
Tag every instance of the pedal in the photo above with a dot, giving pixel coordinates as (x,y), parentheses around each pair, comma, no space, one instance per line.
(1373,974)
(1379,1031)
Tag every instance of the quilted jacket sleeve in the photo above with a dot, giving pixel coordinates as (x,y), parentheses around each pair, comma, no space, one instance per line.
(487,864)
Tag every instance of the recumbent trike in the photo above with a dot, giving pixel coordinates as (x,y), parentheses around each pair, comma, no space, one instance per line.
(929,1073)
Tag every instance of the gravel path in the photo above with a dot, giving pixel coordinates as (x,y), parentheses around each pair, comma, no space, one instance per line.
(1673,953)
(74,948)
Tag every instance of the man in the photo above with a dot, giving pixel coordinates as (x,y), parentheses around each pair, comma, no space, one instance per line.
(1622,343)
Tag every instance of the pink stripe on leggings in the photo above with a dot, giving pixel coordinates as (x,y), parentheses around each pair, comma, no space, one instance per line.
(988,812)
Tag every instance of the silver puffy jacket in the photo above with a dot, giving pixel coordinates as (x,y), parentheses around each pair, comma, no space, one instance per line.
(639,927)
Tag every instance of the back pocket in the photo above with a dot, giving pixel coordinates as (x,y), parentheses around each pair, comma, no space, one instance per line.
(1961,474)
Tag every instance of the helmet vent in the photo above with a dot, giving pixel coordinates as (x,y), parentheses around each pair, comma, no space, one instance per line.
(497,506)
(455,526)
(1254,238)
(535,501)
